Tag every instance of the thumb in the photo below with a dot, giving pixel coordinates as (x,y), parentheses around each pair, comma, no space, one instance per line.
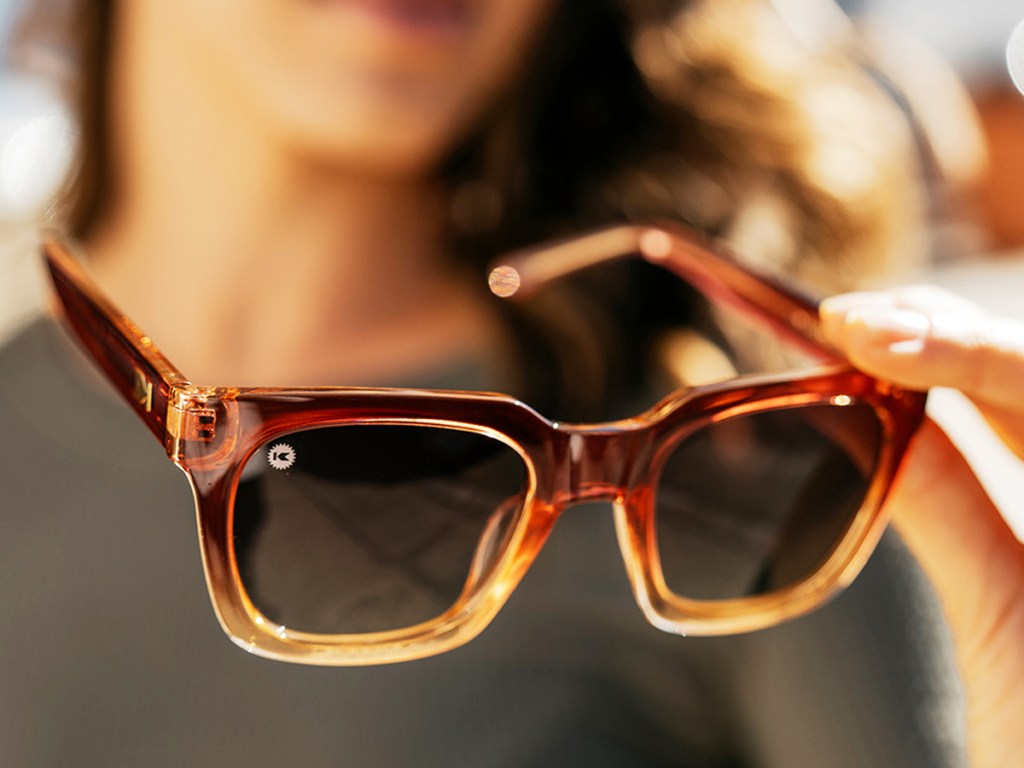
(923,337)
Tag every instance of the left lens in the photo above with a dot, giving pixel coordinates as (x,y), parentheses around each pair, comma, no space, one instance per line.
(372,527)
(757,502)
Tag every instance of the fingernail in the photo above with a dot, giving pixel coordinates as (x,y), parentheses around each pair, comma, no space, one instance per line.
(844,302)
(900,331)
(834,310)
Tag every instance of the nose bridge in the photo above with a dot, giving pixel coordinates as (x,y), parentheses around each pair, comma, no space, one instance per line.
(597,463)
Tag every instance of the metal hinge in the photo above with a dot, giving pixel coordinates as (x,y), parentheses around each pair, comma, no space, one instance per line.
(192,424)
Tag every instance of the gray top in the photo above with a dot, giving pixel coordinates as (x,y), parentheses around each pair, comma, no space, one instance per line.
(110,654)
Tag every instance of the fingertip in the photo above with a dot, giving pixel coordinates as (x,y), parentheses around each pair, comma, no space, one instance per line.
(832,318)
(834,311)
(921,336)
(886,341)
(888,330)
(842,303)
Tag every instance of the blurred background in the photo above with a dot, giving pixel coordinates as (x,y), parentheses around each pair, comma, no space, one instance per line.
(944,62)
(36,141)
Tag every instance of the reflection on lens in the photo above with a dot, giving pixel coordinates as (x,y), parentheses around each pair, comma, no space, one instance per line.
(368,528)
(758,502)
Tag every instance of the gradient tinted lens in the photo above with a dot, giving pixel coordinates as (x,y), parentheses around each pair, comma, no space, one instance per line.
(368,528)
(758,502)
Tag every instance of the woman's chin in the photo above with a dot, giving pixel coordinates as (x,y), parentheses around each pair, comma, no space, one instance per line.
(399,151)
(386,134)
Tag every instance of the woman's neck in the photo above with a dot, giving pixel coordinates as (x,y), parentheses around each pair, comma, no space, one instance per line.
(301,280)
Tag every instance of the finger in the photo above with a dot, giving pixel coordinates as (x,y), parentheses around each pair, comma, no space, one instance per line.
(957,533)
(922,337)
(833,310)
(977,567)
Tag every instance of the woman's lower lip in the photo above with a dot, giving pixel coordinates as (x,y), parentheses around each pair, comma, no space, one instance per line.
(440,18)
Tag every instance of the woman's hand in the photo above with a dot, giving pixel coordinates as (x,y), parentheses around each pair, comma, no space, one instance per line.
(921,337)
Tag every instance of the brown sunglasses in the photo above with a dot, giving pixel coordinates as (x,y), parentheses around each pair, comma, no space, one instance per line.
(343,525)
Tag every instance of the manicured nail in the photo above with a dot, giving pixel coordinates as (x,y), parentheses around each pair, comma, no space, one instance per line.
(900,331)
(834,310)
(844,302)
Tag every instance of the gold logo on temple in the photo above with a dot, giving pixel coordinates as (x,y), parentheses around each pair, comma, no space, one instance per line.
(142,390)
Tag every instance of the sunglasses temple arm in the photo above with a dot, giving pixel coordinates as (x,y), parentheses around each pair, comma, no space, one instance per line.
(143,376)
(791,313)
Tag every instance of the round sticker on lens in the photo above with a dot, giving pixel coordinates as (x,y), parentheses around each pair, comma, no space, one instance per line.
(281,456)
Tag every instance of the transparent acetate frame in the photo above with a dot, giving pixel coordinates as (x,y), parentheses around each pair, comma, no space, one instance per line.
(210,433)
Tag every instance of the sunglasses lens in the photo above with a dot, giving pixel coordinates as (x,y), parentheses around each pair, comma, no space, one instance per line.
(369,528)
(757,503)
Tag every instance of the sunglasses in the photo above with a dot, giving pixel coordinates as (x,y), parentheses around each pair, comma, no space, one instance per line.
(343,525)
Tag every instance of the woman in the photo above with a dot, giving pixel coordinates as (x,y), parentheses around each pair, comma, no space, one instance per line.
(306,172)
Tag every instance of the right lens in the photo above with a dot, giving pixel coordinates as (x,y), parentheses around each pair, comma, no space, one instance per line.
(372,527)
(757,502)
